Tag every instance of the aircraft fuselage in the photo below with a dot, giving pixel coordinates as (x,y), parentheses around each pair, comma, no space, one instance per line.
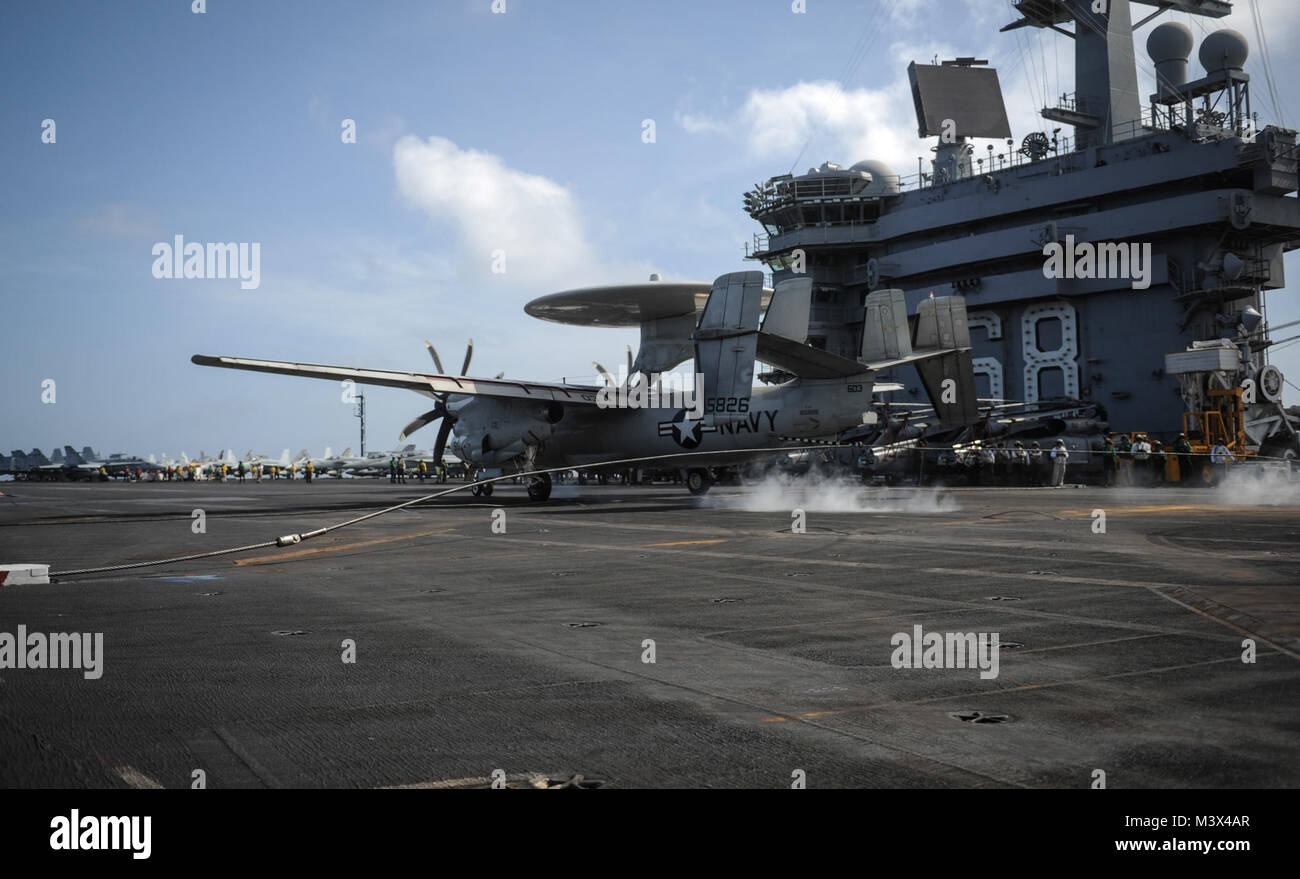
(496,433)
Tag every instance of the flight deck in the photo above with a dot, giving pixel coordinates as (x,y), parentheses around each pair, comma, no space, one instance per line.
(629,637)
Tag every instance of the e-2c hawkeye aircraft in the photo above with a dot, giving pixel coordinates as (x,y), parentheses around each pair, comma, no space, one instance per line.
(507,426)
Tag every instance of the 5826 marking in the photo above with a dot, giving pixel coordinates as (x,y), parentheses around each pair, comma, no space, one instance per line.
(726,404)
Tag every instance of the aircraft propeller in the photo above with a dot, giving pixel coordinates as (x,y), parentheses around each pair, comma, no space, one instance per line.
(605,373)
(440,410)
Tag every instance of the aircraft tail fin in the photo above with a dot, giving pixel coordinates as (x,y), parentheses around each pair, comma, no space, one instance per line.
(347,453)
(787,313)
(329,453)
(284,459)
(948,375)
(726,343)
(885,332)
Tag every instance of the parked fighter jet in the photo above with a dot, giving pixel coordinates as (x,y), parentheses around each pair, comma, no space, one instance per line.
(376,463)
(66,463)
(119,465)
(332,463)
(252,460)
(516,426)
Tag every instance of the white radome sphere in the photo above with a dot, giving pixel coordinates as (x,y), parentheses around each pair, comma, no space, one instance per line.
(1224,50)
(1172,41)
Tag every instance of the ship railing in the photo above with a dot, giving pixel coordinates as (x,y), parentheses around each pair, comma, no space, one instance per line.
(1068,102)
(779,193)
(829,232)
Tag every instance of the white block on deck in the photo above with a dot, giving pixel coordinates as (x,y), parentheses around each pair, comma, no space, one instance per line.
(1202,360)
(24,575)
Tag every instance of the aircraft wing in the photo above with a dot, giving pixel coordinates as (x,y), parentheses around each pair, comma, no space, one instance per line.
(421,383)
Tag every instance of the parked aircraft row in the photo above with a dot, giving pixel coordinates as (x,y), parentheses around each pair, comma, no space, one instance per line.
(69,464)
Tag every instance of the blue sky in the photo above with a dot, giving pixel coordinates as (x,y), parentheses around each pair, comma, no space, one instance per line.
(474,130)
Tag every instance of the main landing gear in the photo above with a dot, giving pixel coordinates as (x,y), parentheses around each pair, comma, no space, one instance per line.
(699,481)
(539,487)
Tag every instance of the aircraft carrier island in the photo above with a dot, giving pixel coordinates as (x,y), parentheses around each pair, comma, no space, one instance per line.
(1131,229)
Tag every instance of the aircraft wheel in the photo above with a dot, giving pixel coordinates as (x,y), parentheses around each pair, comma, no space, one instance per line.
(539,487)
(481,489)
(698,481)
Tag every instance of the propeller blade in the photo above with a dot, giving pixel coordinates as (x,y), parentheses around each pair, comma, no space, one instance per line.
(604,373)
(444,430)
(437,361)
(469,352)
(432,415)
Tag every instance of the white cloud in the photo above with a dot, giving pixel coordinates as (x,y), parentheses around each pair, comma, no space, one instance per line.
(534,220)
(489,205)
(820,121)
(695,123)
(865,122)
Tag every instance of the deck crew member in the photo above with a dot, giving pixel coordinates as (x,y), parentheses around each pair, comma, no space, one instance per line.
(1219,458)
(1125,456)
(1141,460)
(1184,451)
(1060,456)
(1110,461)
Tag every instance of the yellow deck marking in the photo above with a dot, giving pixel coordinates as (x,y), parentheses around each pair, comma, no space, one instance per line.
(686,542)
(360,544)
(1116,509)
(137,779)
